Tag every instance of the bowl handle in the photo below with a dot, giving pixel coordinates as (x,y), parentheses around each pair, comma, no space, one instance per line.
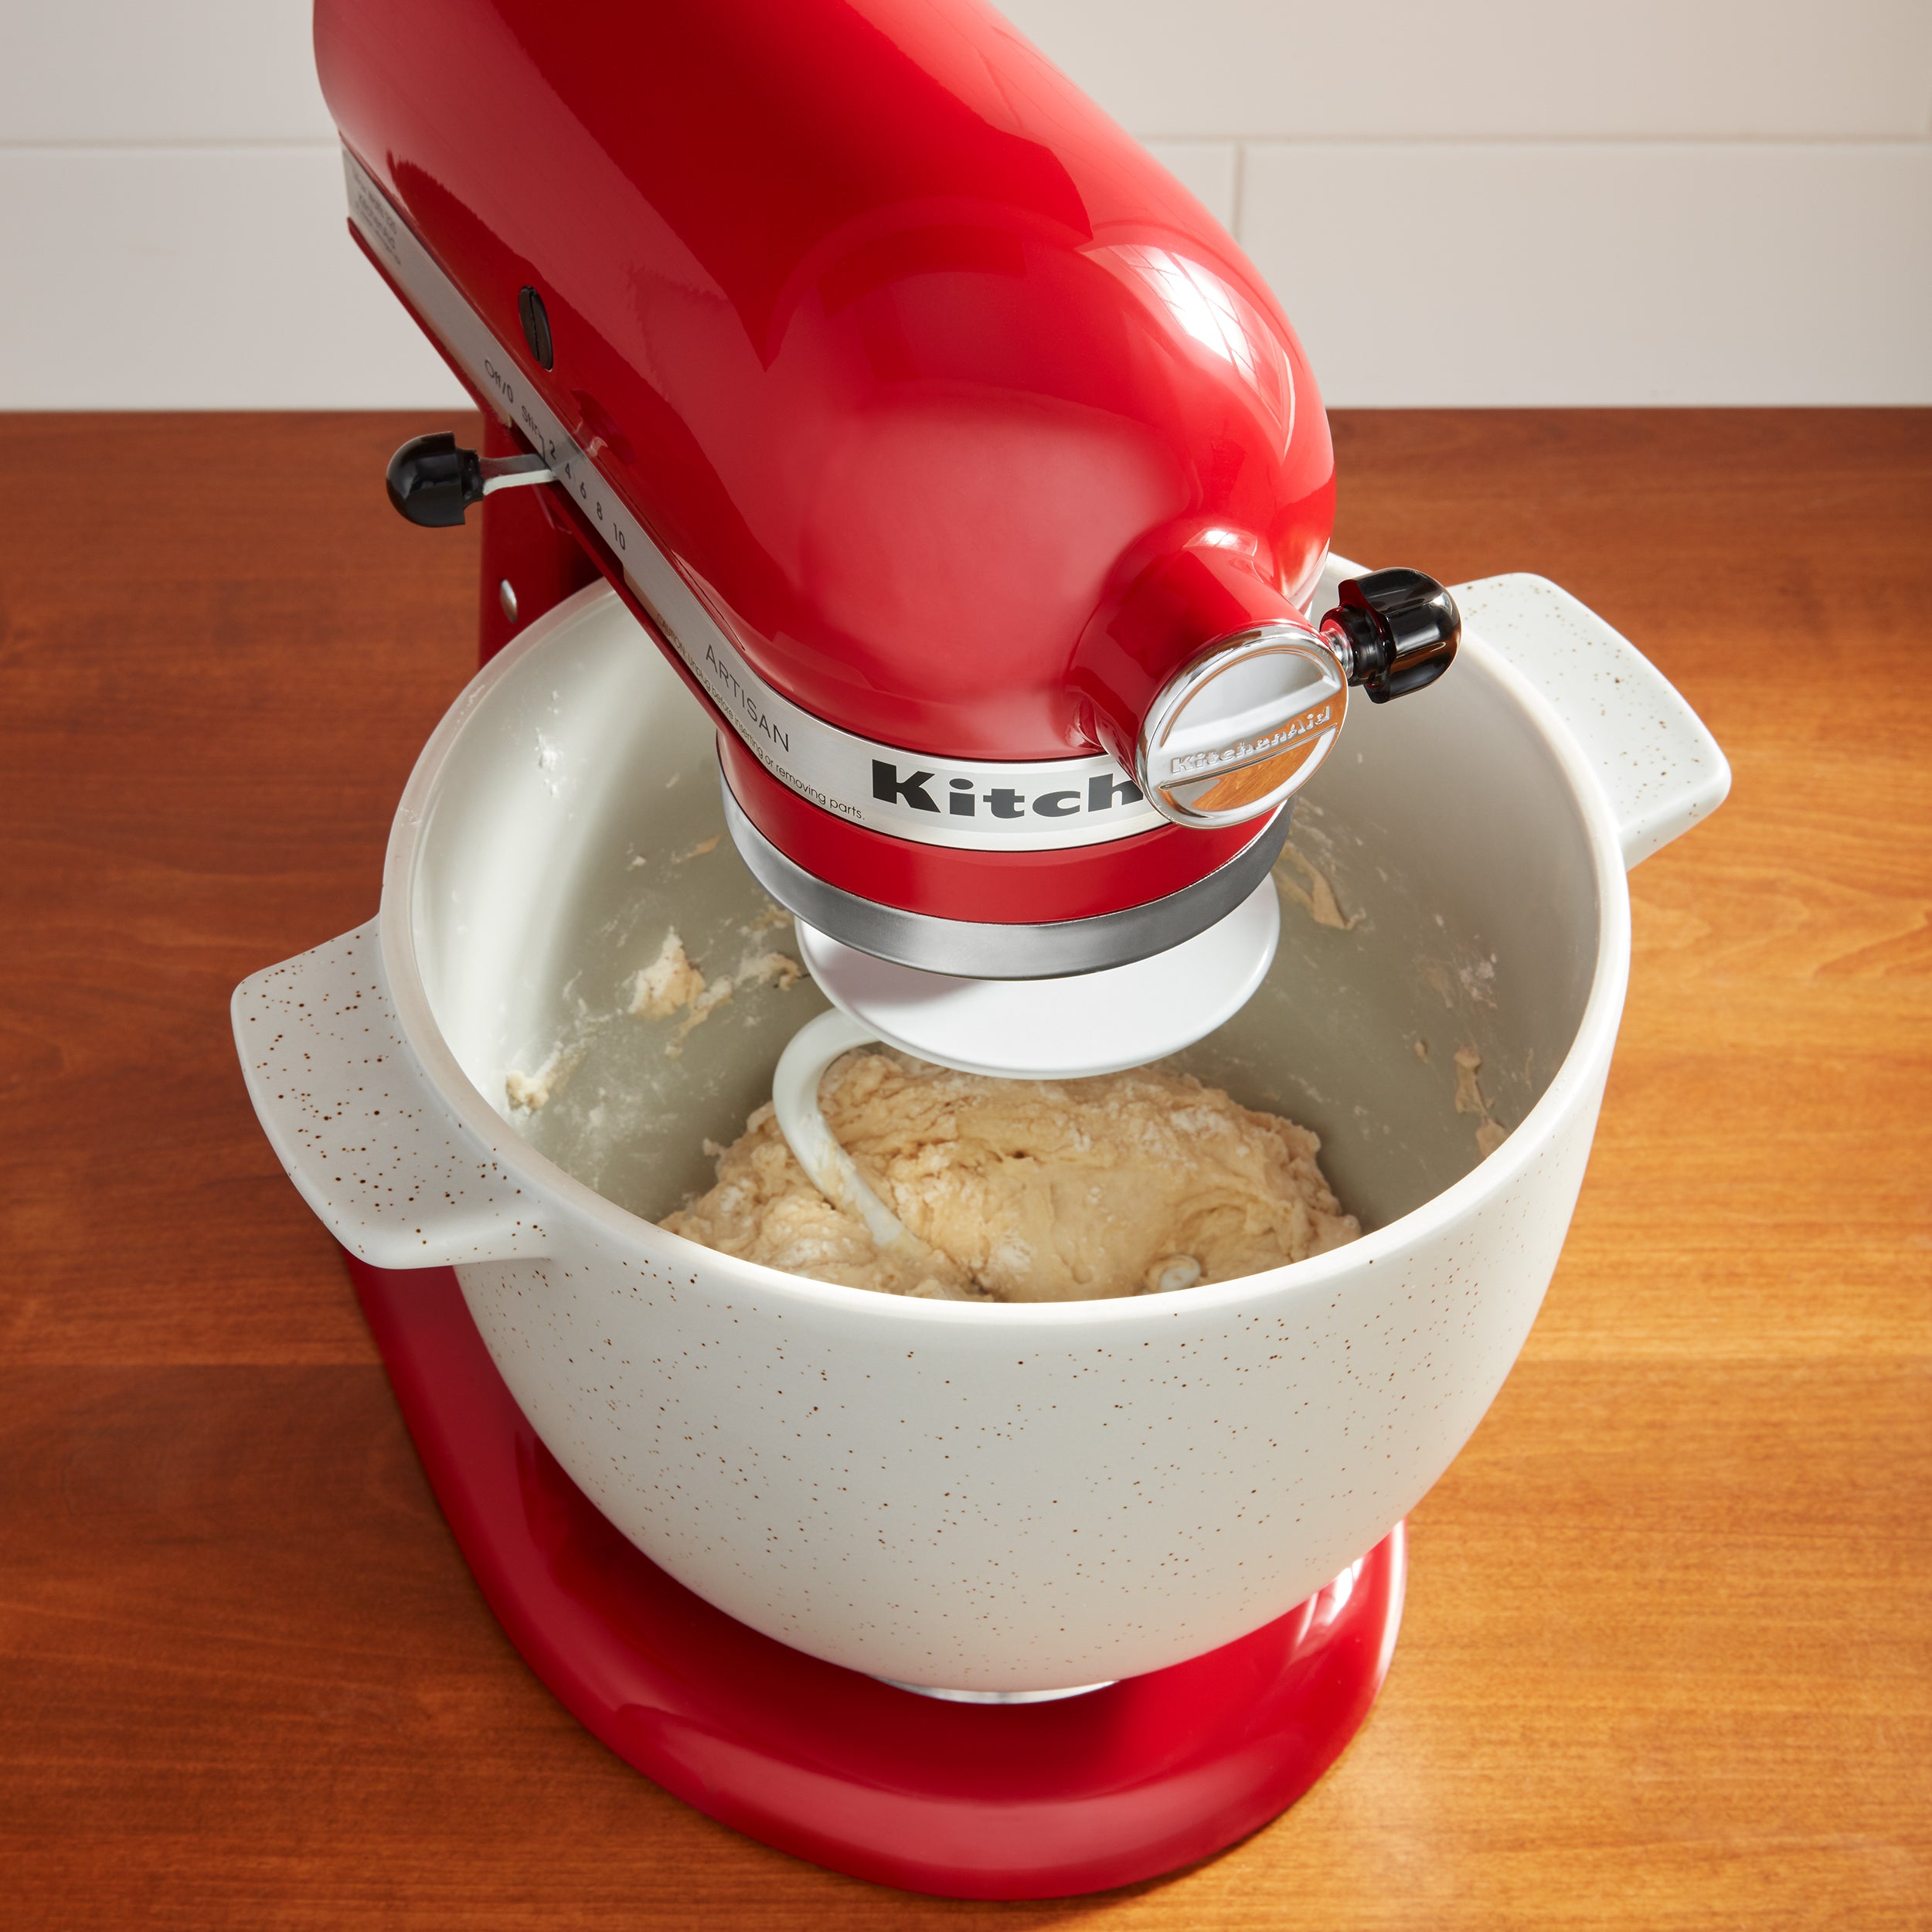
(370,1146)
(1659,767)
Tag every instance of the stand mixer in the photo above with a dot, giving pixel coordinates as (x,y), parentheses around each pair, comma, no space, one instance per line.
(969,473)
(973,483)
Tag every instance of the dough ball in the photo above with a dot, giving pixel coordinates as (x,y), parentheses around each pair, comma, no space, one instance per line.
(1033,1190)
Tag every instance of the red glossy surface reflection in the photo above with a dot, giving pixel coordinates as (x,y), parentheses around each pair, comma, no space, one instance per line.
(913,362)
(971,1801)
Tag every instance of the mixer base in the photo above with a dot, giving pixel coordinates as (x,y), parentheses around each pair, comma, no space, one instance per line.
(967,1800)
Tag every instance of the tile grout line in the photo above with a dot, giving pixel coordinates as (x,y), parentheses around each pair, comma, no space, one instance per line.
(251,144)
(1902,141)
(320,144)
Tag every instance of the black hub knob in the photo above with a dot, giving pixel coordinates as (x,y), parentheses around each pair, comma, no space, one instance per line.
(1399,628)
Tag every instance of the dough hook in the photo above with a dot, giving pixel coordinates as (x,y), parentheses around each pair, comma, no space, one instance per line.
(794,1099)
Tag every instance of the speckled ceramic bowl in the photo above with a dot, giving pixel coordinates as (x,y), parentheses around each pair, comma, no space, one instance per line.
(984,1498)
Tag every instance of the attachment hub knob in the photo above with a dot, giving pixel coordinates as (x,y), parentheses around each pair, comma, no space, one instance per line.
(1394,630)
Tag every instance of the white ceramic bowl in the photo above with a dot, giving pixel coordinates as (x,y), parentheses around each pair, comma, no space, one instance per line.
(998,1498)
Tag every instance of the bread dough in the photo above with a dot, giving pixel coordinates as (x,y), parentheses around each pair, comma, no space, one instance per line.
(673,980)
(1490,1132)
(533,1092)
(1312,892)
(668,983)
(1029,1190)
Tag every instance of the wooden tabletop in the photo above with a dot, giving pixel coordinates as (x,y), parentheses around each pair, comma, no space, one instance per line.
(1667,1656)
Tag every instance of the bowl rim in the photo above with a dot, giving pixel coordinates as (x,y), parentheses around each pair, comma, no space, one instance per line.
(643,1242)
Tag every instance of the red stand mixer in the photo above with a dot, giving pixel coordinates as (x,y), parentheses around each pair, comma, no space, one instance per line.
(975,483)
(972,477)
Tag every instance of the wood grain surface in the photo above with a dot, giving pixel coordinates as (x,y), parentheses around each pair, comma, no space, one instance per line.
(1667,1659)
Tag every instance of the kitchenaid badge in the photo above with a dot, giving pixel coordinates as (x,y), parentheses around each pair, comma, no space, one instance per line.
(1031,805)
(1234,779)
(1243,727)
(966,794)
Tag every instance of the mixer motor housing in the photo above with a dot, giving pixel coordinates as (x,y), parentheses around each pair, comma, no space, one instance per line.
(968,471)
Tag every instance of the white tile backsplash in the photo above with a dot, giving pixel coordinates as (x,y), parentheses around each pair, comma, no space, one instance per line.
(1208,169)
(1696,201)
(1396,69)
(159,71)
(196,278)
(1624,274)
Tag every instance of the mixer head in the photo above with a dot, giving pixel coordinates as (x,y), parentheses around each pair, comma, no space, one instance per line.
(1225,742)
(964,467)
(1233,735)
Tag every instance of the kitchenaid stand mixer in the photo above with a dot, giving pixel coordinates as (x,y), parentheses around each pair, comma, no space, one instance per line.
(969,478)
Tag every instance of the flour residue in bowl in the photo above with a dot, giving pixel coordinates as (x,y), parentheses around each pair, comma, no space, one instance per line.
(1300,880)
(672,982)
(672,986)
(535,1090)
(1490,1132)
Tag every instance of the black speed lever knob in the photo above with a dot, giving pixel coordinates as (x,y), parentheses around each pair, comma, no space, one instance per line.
(432,482)
(1394,630)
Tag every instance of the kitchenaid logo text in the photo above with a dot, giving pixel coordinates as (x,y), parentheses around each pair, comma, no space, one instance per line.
(962,797)
(1188,762)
